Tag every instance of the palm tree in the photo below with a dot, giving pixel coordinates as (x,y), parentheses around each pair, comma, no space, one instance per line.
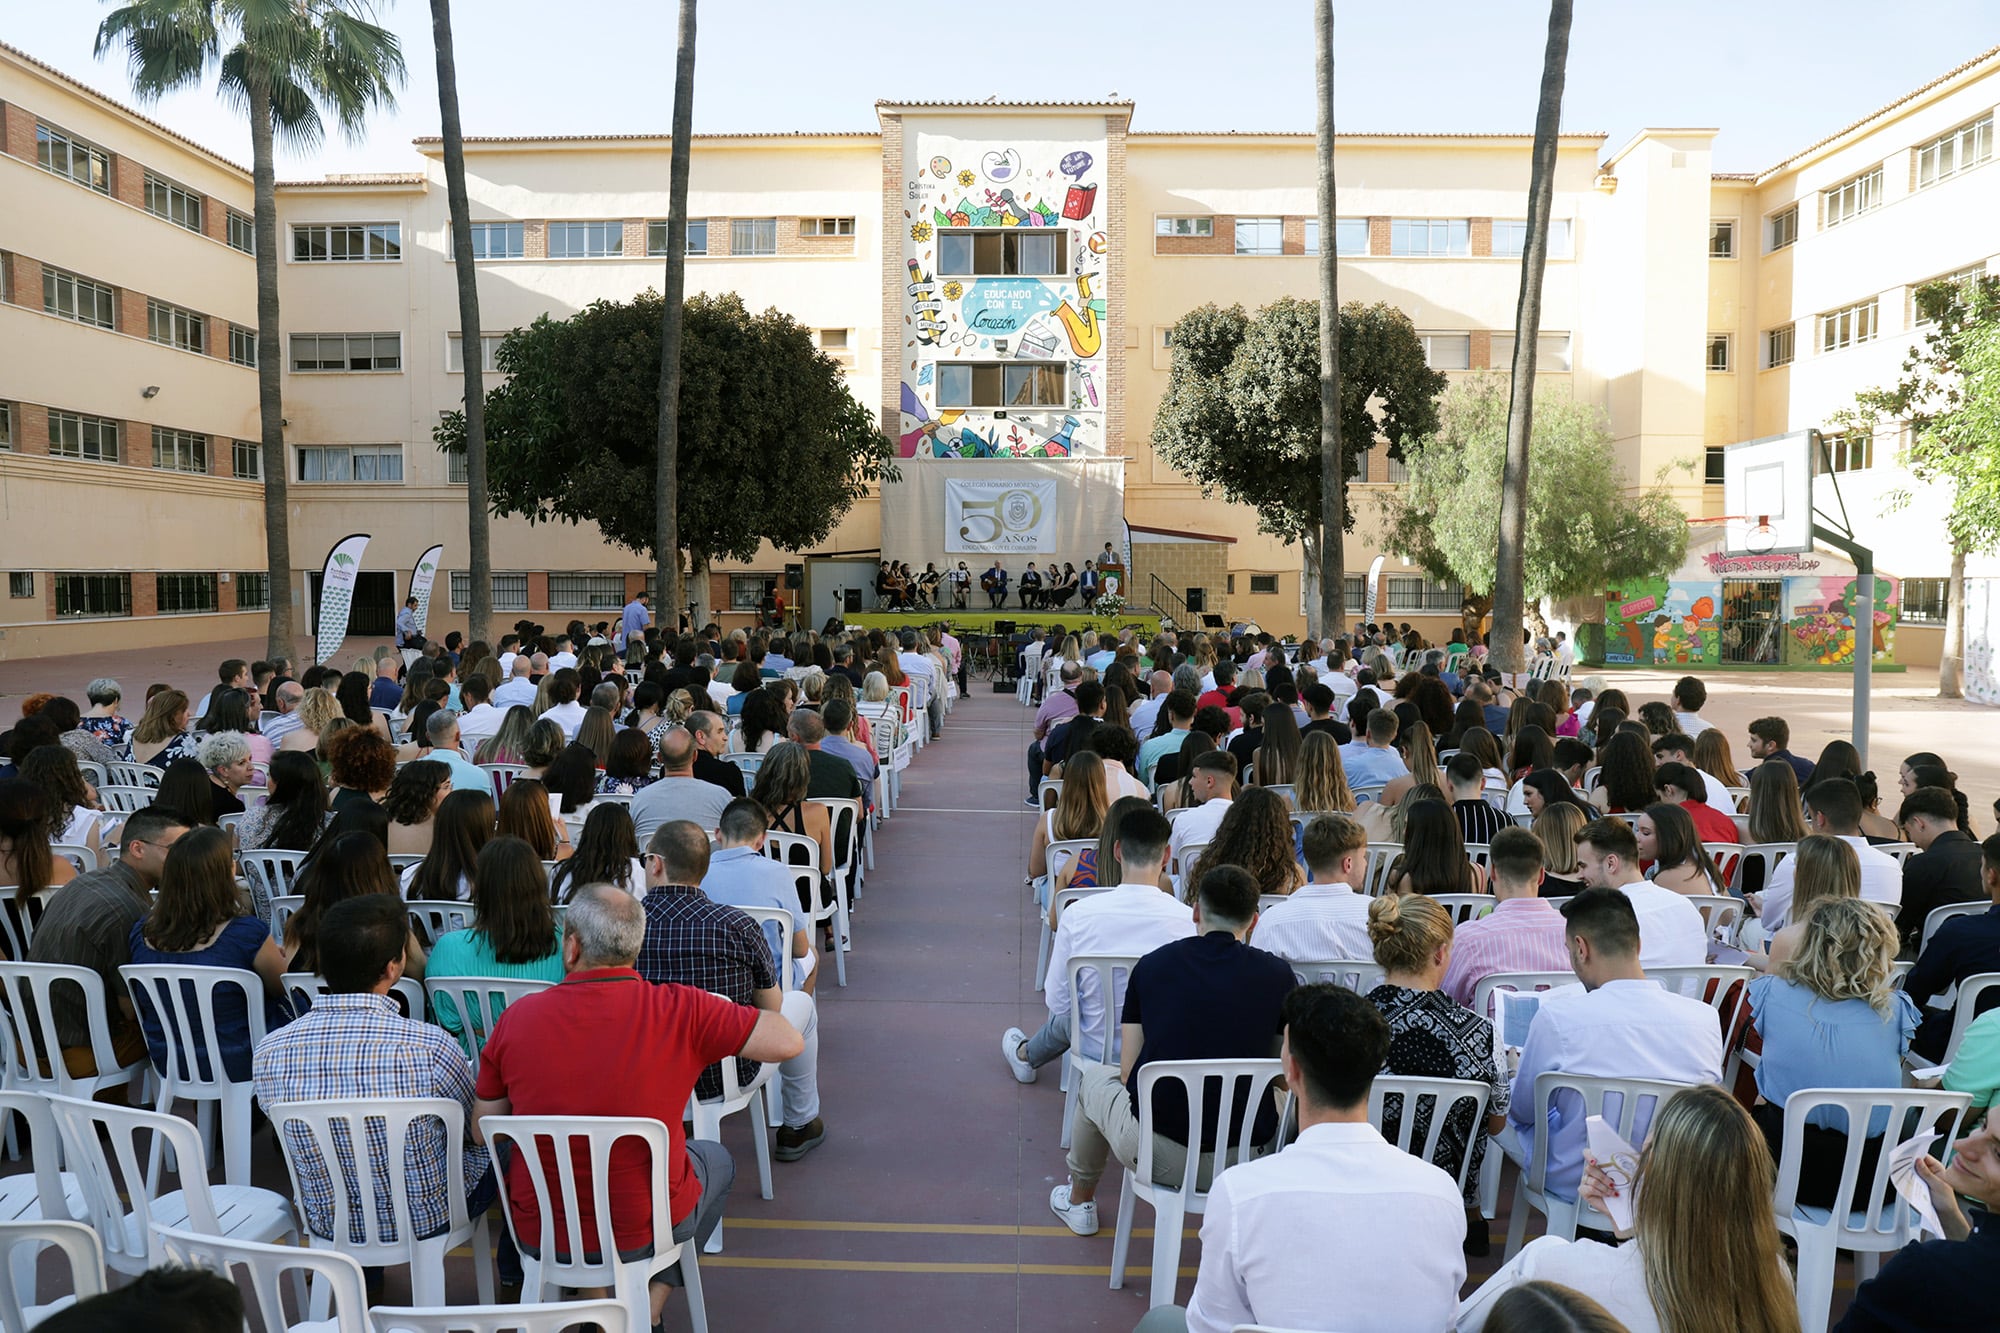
(1510,567)
(1332,467)
(666,475)
(478,533)
(288,64)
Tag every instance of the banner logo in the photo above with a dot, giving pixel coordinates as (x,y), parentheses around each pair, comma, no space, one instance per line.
(336,595)
(421,580)
(1000,516)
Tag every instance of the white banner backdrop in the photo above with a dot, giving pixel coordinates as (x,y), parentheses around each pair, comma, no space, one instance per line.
(336,595)
(1000,516)
(1081,503)
(421,579)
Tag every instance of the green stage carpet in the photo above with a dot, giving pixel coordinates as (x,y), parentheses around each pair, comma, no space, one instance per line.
(982,622)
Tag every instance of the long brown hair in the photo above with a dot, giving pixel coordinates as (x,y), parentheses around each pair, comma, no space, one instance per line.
(197,892)
(1256,834)
(346,866)
(1080,805)
(163,711)
(510,902)
(459,829)
(1321,784)
(24,823)
(1775,814)
(524,813)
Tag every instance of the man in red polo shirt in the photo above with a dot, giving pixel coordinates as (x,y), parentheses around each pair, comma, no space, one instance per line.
(608,1042)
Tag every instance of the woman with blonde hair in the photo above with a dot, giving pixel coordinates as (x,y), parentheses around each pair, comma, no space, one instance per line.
(1824,868)
(1831,1017)
(163,734)
(1705,1257)
(1256,834)
(316,710)
(1321,785)
(1557,826)
(1419,753)
(505,745)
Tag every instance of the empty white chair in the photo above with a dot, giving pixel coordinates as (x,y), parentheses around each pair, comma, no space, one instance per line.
(103,1144)
(476,1003)
(124,800)
(1233,1133)
(430,919)
(182,999)
(609,1316)
(42,1194)
(337,1281)
(21,1244)
(547,1261)
(1439,1100)
(1767,855)
(371,1221)
(800,854)
(1637,1101)
(1859,1221)
(1937,916)
(28,990)
(277,870)
(1359,975)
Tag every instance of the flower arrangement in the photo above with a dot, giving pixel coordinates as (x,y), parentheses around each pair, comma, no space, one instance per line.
(1109,604)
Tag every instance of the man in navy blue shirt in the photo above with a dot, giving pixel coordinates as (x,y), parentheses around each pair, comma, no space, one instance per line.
(1208,997)
(1942,1284)
(1768,738)
(1963,947)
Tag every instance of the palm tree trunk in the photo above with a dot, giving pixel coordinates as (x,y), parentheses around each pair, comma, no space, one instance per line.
(478,532)
(666,475)
(1331,608)
(1510,566)
(1951,661)
(270,387)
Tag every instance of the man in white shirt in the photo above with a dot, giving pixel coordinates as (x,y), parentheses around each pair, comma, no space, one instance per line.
(1674,748)
(563,708)
(1213,785)
(1671,932)
(1833,807)
(1133,917)
(915,664)
(1146,712)
(1326,918)
(1273,1225)
(480,718)
(562,656)
(1689,696)
(518,689)
(509,650)
(1619,1025)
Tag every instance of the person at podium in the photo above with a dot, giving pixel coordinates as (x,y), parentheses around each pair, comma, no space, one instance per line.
(1031,587)
(994,583)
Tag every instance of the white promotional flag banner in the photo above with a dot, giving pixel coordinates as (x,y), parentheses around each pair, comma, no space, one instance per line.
(999,516)
(1374,586)
(336,595)
(421,579)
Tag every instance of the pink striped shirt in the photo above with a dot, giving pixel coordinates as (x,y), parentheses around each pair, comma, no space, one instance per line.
(1518,935)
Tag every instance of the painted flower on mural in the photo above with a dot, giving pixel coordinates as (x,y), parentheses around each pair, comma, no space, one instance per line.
(920,231)
(965,179)
(953,290)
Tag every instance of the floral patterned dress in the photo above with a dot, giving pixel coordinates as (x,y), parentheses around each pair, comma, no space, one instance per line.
(1432,1036)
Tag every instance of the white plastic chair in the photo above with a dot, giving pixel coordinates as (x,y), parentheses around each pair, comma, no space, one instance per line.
(18,920)
(182,999)
(103,1144)
(1766,854)
(1381,856)
(134,775)
(1531,1187)
(284,907)
(1048,792)
(302,988)
(41,1194)
(401,861)
(1441,1099)
(1721,913)
(609,1316)
(1971,991)
(566,1264)
(1111,972)
(1232,1137)
(1937,916)
(1859,1221)
(430,919)
(778,925)
(1479,853)
(319,1138)
(800,854)
(28,990)
(1464,907)
(278,870)
(1369,792)
(747,762)
(124,800)
(1058,855)
(335,1280)
(1359,975)
(1902,851)
(844,815)
(503,776)
(20,1251)
(1726,990)
(477,1003)
(706,1114)
(84,858)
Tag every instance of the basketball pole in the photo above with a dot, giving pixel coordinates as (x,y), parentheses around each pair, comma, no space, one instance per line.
(1864,627)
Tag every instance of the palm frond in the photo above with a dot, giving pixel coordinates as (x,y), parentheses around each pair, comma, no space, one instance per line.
(169,44)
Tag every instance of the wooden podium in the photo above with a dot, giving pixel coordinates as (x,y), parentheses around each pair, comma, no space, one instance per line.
(1111,579)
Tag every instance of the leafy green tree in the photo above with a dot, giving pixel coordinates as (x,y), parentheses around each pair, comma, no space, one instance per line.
(1583,533)
(773,445)
(1241,414)
(289,65)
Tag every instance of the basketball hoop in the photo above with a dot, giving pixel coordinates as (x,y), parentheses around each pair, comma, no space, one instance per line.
(1760,539)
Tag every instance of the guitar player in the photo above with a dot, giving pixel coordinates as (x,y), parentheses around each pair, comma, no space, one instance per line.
(994,584)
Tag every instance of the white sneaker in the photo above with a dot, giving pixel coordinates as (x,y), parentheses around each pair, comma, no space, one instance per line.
(1011,1042)
(1078,1217)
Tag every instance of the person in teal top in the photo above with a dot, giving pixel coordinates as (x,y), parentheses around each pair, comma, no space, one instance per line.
(514,933)
(1976,1067)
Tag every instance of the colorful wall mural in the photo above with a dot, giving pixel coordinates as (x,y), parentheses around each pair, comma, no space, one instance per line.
(1662,622)
(953,316)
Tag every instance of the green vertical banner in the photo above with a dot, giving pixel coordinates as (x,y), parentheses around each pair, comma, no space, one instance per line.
(421,579)
(336,595)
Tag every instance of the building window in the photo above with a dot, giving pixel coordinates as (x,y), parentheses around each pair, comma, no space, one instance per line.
(1925,601)
(498,240)
(1447,351)
(253,592)
(176,203)
(1415,593)
(79,298)
(1850,199)
(489,349)
(586,592)
(586,240)
(6,425)
(246,460)
(81,595)
(179,450)
(1204,226)
(746,591)
(20,585)
(1030,251)
(313,353)
(1966,147)
(1713,472)
(1847,326)
(1003,384)
(826,226)
(1718,352)
(1781,228)
(1722,238)
(753,236)
(1846,451)
(347,242)
(1923,312)
(837,343)
(697,233)
(92,439)
(1779,346)
(1263,584)
(1551,351)
(1510,238)
(175,327)
(87,166)
(1350,236)
(1260,236)
(185,594)
(242,345)
(510,591)
(365,463)
(1429,237)
(242,233)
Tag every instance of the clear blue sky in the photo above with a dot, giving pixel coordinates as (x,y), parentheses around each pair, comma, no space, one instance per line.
(1772,76)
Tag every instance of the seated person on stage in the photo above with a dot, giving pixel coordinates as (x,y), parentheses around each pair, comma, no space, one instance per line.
(927,585)
(1064,587)
(1031,587)
(994,584)
(960,580)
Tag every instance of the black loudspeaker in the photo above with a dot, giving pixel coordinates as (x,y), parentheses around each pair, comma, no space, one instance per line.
(851,600)
(1003,627)
(795,576)
(1197,600)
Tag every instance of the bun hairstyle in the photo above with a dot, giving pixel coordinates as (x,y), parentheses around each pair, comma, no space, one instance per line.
(1407,929)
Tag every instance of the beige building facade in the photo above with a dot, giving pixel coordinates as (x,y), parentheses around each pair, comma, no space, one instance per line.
(951,254)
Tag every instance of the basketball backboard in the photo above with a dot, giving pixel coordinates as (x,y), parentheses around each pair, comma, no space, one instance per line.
(1767,494)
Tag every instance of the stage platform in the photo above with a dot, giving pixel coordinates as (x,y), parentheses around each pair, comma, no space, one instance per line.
(982,622)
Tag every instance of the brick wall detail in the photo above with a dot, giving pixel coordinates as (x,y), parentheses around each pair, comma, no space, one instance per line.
(1482,238)
(1481,357)
(128,181)
(1378,236)
(790,242)
(1181,565)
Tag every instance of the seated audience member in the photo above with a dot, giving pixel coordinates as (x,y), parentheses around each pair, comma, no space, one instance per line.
(1833,807)
(159,1300)
(1671,928)
(692,940)
(1674,748)
(412,801)
(460,827)
(444,742)
(105,722)
(607,852)
(1946,868)
(838,715)
(1681,785)
(185,786)
(678,793)
(1769,737)
(344,865)
(1370,758)
(1078,814)
(711,738)
(1133,916)
(481,717)
(361,765)
(74,817)
(514,932)
(1340,1189)
(1256,835)
(1433,859)
(1319,701)
(1523,933)
(230,711)
(628,765)
(1097,867)
(831,775)
(1210,996)
(1704,1171)
(1827,869)
(1941,1286)
(1671,846)
(1211,788)
(1327,917)
(1963,946)
(294,813)
(26,859)
(1556,829)
(1119,750)
(1465,782)
(1830,1017)
(740,875)
(1619,1025)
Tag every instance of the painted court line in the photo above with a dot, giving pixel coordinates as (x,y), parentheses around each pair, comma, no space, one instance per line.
(915,1228)
(961,810)
(876,1266)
